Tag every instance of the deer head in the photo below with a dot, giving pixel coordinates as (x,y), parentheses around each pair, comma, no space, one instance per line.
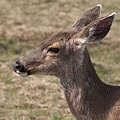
(60,53)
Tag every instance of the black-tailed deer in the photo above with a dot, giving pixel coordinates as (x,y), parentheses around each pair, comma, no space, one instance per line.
(64,55)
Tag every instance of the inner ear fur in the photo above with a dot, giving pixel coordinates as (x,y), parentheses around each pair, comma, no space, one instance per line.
(96,30)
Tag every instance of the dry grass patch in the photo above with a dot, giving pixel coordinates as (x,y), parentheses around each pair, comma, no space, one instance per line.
(23,24)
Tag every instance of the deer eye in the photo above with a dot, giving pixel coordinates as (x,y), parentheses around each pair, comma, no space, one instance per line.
(53,50)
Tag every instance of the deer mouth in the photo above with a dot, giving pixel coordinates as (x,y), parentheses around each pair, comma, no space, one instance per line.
(23,74)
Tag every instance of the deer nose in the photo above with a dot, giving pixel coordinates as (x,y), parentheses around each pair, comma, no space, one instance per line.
(18,67)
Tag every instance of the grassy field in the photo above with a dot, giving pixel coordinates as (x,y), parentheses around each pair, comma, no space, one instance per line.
(23,24)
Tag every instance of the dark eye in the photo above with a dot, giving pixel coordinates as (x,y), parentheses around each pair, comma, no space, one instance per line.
(53,50)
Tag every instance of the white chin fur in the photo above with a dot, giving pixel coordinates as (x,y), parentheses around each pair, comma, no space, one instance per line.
(23,74)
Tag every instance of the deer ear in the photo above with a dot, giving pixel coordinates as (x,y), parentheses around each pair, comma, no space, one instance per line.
(95,31)
(88,17)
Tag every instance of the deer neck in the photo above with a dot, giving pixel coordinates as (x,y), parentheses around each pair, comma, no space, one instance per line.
(80,85)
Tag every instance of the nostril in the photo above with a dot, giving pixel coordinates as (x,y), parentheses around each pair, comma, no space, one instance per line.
(19,67)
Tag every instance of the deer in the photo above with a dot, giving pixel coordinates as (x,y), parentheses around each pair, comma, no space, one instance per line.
(64,54)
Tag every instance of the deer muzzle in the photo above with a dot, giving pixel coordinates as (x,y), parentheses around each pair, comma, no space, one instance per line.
(20,69)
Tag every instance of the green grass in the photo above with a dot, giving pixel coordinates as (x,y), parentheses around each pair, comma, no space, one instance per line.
(24,24)
(58,118)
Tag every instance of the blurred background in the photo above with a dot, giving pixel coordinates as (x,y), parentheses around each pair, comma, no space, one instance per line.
(23,25)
